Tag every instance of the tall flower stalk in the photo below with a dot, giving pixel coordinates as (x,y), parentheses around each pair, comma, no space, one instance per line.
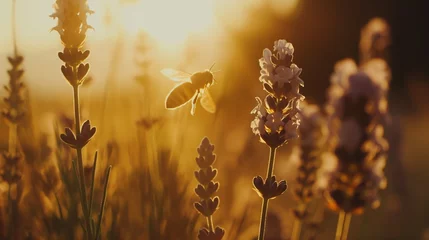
(313,133)
(356,110)
(276,119)
(72,26)
(206,190)
(13,113)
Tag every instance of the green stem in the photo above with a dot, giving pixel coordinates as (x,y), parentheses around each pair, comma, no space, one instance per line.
(265,201)
(84,200)
(100,218)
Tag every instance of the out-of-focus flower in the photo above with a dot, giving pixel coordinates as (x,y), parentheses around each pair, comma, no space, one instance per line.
(356,141)
(375,38)
(72,21)
(10,171)
(313,134)
(14,101)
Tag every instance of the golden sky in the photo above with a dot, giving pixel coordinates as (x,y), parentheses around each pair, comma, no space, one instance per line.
(170,23)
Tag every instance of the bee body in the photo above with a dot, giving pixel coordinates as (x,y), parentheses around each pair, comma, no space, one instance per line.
(202,79)
(193,87)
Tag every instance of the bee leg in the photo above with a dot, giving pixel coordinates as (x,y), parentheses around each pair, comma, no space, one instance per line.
(194,103)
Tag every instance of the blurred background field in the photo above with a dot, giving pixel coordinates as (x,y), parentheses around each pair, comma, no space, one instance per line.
(153,150)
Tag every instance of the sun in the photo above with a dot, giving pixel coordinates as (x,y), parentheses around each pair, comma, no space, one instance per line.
(166,21)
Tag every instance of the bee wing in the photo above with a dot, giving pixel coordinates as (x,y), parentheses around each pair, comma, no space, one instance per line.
(207,102)
(180,95)
(176,75)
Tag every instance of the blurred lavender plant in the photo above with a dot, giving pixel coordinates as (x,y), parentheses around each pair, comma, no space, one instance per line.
(206,189)
(72,26)
(143,62)
(276,119)
(356,110)
(11,166)
(313,133)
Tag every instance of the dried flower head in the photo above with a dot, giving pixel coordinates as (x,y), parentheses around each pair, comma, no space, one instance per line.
(14,101)
(206,190)
(356,139)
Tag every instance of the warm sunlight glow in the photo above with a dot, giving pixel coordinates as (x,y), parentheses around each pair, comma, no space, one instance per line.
(284,8)
(167,21)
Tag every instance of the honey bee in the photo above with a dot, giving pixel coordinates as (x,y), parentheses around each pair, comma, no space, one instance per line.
(193,87)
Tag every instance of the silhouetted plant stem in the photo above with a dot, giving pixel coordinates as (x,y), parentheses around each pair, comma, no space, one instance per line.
(91,197)
(340,225)
(347,221)
(10,209)
(59,206)
(210,223)
(80,165)
(265,200)
(103,203)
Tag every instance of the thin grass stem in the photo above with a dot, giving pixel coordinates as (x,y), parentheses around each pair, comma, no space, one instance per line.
(91,196)
(103,203)
(76,174)
(59,206)
(80,164)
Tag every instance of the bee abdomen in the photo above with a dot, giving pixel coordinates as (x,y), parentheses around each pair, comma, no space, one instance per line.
(180,95)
